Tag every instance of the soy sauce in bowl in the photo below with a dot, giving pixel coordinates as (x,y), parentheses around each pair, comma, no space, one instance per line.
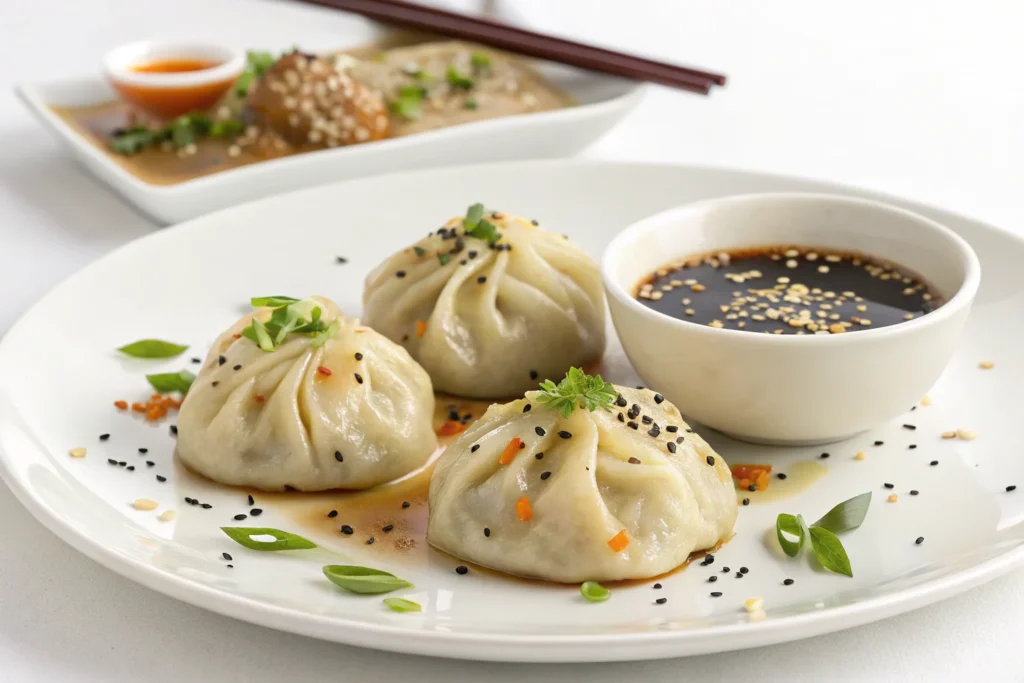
(787,290)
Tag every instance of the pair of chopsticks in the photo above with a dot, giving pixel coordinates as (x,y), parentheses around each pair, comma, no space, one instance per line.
(521,41)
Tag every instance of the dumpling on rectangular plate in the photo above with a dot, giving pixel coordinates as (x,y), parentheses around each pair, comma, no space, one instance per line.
(583,481)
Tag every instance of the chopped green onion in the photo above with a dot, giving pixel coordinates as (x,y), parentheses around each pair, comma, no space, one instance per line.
(592,591)
(402,605)
(282,539)
(152,348)
(363,580)
(167,382)
(273,301)
(457,80)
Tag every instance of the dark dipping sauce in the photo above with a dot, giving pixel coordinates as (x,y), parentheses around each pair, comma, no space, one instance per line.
(788,290)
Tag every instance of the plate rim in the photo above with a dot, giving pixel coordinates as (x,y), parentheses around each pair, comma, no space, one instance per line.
(491,647)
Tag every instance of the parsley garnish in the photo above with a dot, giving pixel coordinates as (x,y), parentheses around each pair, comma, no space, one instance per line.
(182,131)
(289,316)
(480,61)
(477,226)
(408,104)
(257,64)
(457,80)
(577,389)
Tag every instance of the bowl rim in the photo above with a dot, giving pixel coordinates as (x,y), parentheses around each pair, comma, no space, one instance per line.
(118,61)
(963,297)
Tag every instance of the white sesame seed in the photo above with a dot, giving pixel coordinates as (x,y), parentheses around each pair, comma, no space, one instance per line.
(986,365)
(926,401)
(753,604)
(860,456)
(77,452)
(892,498)
(791,263)
(822,269)
(966,434)
(167,515)
(144,504)
(948,435)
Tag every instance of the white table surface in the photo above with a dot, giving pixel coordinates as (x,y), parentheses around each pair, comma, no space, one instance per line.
(917,99)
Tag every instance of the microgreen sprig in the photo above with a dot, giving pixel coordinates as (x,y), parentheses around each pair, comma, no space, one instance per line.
(477,226)
(578,389)
(827,547)
(290,316)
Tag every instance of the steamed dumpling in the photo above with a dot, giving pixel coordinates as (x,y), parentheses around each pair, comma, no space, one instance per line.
(351,412)
(595,496)
(487,317)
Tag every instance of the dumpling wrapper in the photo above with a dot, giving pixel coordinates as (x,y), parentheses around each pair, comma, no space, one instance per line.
(669,505)
(538,311)
(383,427)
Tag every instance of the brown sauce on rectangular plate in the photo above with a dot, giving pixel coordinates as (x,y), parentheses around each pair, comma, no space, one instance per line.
(788,290)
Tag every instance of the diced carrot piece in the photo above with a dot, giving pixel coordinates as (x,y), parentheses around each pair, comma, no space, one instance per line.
(743,483)
(750,471)
(619,541)
(509,454)
(236,335)
(326,372)
(421,328)
(259,399)
(450,428)
(139,407)
(762,481)
(523,510)
(121,405)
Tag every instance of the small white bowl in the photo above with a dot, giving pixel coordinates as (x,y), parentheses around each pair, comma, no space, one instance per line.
(790,389)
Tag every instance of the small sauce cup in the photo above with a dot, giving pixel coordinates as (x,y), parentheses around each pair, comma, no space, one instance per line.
(168,79)
(789,389)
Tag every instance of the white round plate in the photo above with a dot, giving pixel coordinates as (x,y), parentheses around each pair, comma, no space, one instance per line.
(59,377)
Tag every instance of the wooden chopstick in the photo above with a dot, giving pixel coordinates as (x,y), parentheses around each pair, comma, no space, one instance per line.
(529,43)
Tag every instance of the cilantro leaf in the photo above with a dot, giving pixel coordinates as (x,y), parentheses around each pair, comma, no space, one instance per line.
(578,389)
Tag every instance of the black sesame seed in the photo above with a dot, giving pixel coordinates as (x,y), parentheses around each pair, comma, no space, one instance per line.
(752,487)
(237,367)
(534,222)
(462,569)
(359,379)
(912,446)
(482,279)
(214,383)
(914,492)
(522,445)
(221,360)
(533,374)
(371,540)
(539,456)
(746,501)
(781,475)
(174,429)
(879,443)
(150,463)
(739,575)
(256,512)
(620,401)
(545,475)
(744,570)
(240,517)
(252,501)
(656,586)
(933,463)
(712,578)
(1011,488)
(653,431)
(197,360)
(661,601)
(634,410)
(226,556)
(347,530)
(824,455)
(205,506)
(672,428)
(474,448)
(716,594)
(527,408)
(230,566)
(332,514)
(888,485)
(540,431)
(122,463)
(622,418)
(387,528)
(919,540)
(671,447)
(143,450)
(565,435)
(658,398)
(911,427)
(487,532)
(725,570)
(471,254)
(787,582)
(640,386)
(341,259)
(689,431)
(405,504)
(189,500)
(111,461)
(632,425)
(359,356)
(646,419)
(130,468)
(104,437)
(161,478)
(453,414)
(634,461)
(338,456)
(679,439)
(400,274)
(711,460)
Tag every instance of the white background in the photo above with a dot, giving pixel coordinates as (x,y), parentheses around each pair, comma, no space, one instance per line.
(921,99)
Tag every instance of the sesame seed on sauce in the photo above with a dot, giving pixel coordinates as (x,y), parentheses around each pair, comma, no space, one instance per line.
(540,431)
(221,360)
(545,475)
(787,582)
(405,504)
(387,528)
(634,461)
(332,514)
(338,456)
(533,374)
(919,540)
(672,428)
(661,601)
(462,570)
(256,512)
(527,408)
(539,456)
(671,447)
(240,517)
(215,383)
(487,532)
(711,460)
(347,530)
(104,437)
(474,448)
(359,378)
